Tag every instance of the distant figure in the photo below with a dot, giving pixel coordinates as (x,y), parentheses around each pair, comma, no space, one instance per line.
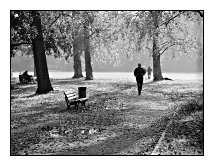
(139,72)
(25,73)
(149,72)
(28,77)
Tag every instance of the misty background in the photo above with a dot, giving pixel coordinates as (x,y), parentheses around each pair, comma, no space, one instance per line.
(174,65)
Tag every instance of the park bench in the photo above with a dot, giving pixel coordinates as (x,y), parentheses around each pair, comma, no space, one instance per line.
(26,79)
(71,98)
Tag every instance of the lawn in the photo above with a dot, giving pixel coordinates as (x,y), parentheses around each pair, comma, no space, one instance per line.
(117,122)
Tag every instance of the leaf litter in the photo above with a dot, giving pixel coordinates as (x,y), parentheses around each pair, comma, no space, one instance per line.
(118,121)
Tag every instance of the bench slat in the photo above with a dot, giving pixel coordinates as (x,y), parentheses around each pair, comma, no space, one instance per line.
(72,98)
(68,93)
(71,95)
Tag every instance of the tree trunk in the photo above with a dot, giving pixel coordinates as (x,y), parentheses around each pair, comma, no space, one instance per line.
(77,61)
(43,81)
(88,67)
(34,69)
(157,73)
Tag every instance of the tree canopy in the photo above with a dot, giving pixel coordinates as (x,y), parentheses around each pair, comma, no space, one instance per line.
(113,35)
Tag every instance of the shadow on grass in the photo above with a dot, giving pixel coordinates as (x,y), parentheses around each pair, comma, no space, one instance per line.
(96,115)
(185,135)
(190,123)
(129,137)
(125,141)
(192,130)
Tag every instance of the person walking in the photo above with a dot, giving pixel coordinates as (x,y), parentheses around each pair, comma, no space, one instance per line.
(139,72)
(149,72)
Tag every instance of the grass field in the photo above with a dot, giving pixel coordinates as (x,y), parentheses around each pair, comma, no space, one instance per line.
(118,121)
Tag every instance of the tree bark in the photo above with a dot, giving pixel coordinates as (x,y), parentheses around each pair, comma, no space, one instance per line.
(157,73)
(88,67)
(77,61)
(34,69)
(43,81)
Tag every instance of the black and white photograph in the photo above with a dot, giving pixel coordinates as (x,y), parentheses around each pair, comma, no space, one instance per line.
(106,82)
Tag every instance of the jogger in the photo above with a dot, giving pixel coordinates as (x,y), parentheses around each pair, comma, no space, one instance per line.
(139,72)
(139,84)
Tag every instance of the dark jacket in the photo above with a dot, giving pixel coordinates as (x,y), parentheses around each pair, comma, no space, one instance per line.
(139,72)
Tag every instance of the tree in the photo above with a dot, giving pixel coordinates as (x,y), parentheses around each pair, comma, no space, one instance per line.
(82,25)
(74,28)
(68,39)
(104,44)
(157,72)
(171,33)
(76,57)
(44,85)
(88,20)
(115,39)
(88,67)
(156,33)
(79,24)
(71,37)
(161,31)
(26,29)
(64,36)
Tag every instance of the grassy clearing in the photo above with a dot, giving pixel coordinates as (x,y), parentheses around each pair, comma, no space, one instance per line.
(118,122)
(185,135)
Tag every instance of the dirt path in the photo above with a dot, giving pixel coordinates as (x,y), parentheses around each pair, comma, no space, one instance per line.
(122,122)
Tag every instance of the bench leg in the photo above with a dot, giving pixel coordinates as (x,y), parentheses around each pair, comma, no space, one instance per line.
(84,105)
(68,106)
(76,106)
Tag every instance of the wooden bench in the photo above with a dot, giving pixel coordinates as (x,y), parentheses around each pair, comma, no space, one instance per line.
(27,79)
(71,98)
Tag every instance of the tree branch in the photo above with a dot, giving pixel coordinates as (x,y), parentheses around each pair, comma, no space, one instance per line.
(200,13)
(18,44)
(91,34)
(180,12)
(148,48)
(68,15)
(64,14)
(164,44)
(167,48)
(54,21)
(167,21)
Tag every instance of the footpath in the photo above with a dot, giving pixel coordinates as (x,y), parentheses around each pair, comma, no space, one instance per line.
(119,122)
